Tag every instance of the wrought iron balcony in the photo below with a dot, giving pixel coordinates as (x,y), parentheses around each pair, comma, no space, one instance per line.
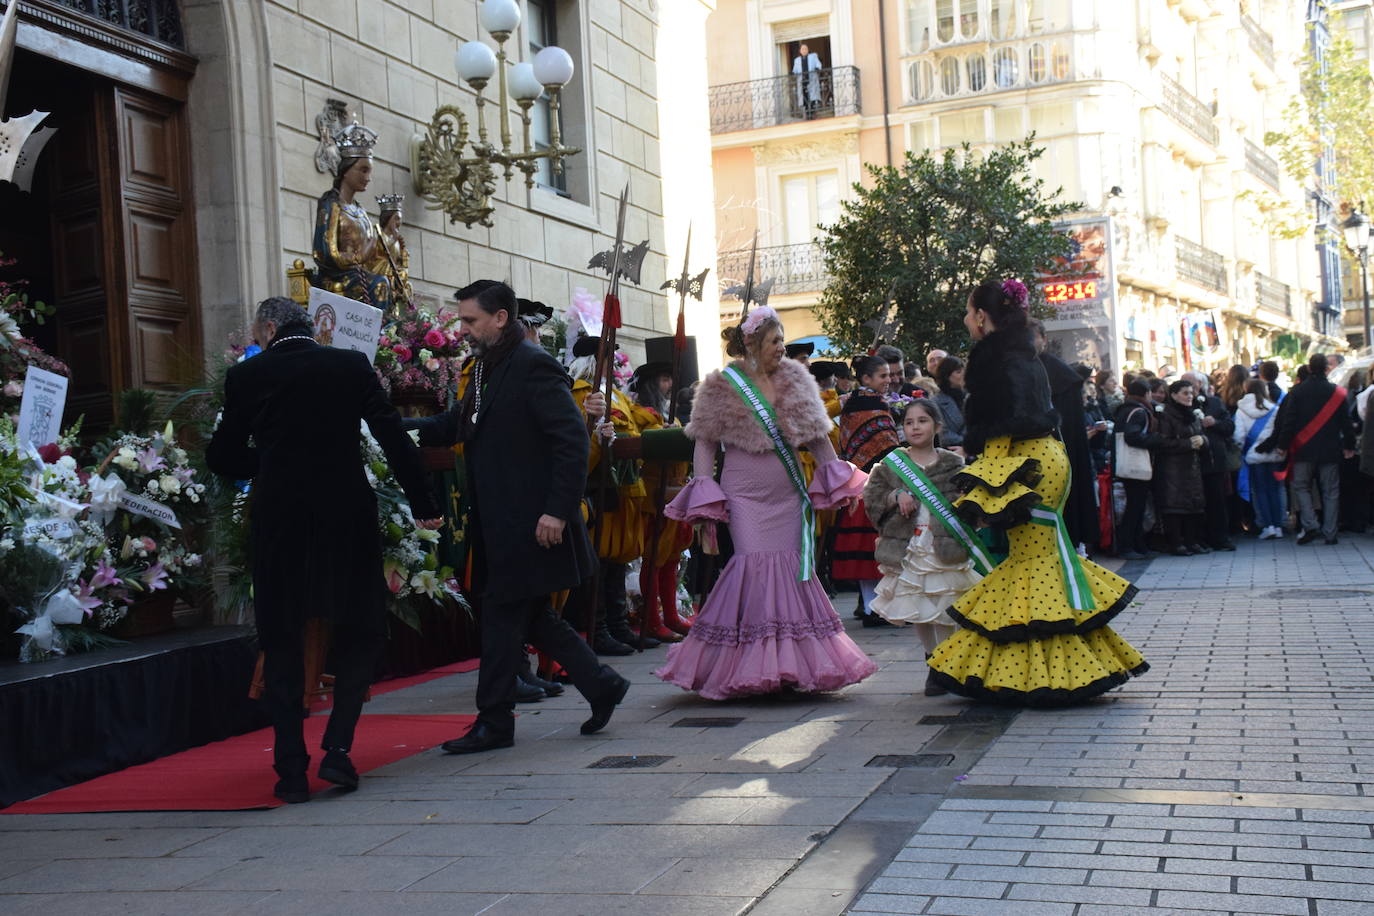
(1261,42)
(1199,265)
(1188,110)
(829,93)
(1261,164)
(793,268)
(1273,295)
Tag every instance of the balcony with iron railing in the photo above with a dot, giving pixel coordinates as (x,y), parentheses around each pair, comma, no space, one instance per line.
(1273,295)
(1260,164)
(1200,266)
(1261,42)
(1188,110)
(792,268)
(829,93)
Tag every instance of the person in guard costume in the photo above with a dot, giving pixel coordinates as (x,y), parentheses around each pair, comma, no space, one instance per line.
(1034,631)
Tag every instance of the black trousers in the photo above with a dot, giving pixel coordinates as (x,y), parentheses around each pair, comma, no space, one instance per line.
(506,627)
(352,660)
(1131,534)
(1183,530)
(1218,524)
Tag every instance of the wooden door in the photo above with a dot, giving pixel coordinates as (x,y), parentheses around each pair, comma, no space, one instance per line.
(157,328)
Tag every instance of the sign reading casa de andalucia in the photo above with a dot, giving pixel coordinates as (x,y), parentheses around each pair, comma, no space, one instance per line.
(345,323)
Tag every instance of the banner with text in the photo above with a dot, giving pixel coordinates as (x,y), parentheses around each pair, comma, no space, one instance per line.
(149,509)
(40,411)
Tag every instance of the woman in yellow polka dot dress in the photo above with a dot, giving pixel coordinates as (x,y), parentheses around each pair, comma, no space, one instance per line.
(1033,632)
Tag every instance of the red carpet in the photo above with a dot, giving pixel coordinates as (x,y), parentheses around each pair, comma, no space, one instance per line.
(237,774)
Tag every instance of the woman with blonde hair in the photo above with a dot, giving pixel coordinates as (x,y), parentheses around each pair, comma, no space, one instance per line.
(767,625)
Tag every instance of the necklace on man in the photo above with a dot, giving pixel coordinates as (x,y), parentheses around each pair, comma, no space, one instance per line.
(477,392)
(292,337)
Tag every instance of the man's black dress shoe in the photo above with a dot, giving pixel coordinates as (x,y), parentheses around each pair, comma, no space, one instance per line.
(1224,546)
(550,688)
(1308,537)
(1199,548)
(1333,540)
(481,737)
(527,693)
(338,769)
(606,644)
(602,708)
(631,638)
(293,787)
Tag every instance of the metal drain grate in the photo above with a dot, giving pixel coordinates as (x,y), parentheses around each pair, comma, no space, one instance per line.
(911,760)
(629,762)
(708,722)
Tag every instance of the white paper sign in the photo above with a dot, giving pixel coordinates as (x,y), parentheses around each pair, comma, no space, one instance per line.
(57,528)
(149,509)
(345,323)
(40,412)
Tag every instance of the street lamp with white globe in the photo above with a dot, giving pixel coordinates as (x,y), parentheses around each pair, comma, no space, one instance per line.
(462,183)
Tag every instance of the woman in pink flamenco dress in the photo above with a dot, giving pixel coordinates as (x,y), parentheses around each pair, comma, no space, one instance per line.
(767,625)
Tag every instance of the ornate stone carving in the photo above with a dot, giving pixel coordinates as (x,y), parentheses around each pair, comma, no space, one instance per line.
(335,116)
(157,19)
(842,144)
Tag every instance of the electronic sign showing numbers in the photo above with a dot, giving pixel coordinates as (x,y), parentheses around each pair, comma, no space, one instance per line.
(1056,292)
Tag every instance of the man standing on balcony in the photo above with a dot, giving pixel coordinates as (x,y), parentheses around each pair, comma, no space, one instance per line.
(807,68)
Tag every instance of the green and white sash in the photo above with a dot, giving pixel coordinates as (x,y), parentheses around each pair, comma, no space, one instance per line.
(769,420)
(1076,585)
(915,480)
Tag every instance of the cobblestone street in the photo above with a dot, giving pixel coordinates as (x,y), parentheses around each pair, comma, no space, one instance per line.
(1229,779)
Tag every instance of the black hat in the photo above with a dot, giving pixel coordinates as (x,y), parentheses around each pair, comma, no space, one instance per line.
(534,314)
(824,369)
(586,346)
(801,349)
(651,369)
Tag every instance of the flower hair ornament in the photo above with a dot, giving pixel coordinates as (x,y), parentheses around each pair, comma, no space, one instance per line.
(757,317)
(1016,292)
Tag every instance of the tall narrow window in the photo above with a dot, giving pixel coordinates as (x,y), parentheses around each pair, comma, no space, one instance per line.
(944,19)
(977,67)
(922,76)
(1060,60)
(949,75)
(809,201)
(1004,67)
(1035,63)
(968,18)
(1044,16)
(542,32)
(917,25)
(1002,21)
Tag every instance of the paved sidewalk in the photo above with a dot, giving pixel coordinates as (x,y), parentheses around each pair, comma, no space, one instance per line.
(1235,777)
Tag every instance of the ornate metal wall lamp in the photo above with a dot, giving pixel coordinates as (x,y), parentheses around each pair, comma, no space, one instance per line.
(462,185)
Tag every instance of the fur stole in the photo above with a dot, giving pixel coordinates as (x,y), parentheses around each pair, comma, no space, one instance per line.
(719,414)
(1007,391)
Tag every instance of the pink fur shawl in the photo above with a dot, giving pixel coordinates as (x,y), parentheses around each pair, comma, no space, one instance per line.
(719,414)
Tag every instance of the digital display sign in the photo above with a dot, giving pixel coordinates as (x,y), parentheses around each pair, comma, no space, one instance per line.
(1070,292)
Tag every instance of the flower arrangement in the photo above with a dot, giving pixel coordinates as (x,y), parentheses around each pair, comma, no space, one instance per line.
(421,351)
(18,352)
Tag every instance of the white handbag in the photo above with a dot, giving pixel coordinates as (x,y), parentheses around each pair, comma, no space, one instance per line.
(1132,462)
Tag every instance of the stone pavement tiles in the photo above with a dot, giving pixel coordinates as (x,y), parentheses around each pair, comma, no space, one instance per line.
(1235,777)
(777,807)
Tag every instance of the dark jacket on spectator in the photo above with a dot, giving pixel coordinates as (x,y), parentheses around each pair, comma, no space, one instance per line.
(1218,435)
(1301,405)
(1178,468)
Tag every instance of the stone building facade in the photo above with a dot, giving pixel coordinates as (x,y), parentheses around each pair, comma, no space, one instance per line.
(220,98)
(1153,113)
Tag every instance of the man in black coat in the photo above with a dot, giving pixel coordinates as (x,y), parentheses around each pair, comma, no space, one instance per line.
(526,448)
(1217,427)
(1316,448)
(291,425)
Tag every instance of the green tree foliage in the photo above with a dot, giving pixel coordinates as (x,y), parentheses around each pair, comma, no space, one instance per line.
(926,233)
(1343,99)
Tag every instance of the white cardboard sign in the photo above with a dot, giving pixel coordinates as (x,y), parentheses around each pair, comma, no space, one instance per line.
(40,411)
(345,323)
(149,509)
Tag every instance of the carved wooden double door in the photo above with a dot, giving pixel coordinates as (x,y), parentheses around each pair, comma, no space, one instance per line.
(123,248)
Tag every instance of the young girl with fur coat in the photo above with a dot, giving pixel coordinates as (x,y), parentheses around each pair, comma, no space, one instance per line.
(924,567)
(767,625)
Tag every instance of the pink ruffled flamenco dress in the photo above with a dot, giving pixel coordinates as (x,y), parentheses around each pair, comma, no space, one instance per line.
(762,629)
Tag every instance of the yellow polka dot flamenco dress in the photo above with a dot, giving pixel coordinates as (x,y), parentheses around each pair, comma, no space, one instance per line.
(1034,631)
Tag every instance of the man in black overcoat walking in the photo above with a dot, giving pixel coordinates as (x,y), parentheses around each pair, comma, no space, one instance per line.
(526,448)
(1314,426)
(291,424)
